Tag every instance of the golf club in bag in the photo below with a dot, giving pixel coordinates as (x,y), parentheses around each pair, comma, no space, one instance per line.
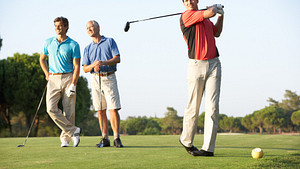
(127,26)
(22,145)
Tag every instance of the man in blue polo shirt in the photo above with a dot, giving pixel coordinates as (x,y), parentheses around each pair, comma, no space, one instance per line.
(64,66)
(101,56)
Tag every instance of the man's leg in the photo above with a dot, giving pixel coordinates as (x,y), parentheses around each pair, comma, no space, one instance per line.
(212,95)
(196,81)
(53,96)
(111,93)
(103,123)
(115,122)
(68,105)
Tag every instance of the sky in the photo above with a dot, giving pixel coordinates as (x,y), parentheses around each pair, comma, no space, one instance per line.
(258,48)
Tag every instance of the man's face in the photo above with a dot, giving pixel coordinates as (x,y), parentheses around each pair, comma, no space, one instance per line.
(91,29)
(191,4)
(60,29)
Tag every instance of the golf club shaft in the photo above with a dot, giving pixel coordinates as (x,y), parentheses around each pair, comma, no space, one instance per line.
(155,17)
(159,17)
(101,103)
(36,113)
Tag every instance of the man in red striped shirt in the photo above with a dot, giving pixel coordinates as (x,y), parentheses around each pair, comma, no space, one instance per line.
(204,74)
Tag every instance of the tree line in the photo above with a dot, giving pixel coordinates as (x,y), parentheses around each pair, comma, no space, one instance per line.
(22,82)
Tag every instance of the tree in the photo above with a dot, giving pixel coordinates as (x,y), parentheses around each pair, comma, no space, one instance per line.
(292,101)
(135,125)
(274,118)
(258,120)
(152,127)
(221,122)
(228,124)
(248,123)
(0,42)
(290,104)
(171,122)
(22,83)
(200,125)
(83,100)
(4,103)
(295,118)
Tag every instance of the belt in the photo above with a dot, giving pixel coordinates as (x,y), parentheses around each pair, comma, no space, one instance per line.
(104,73)
(58,73)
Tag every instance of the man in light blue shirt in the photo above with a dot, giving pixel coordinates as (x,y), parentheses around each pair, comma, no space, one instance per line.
(101,56)
(64,66)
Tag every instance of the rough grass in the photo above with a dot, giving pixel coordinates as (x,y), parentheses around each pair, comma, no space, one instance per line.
(232,151)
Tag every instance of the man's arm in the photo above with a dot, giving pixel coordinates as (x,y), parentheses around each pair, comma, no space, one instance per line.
(44,65)
(210,12)
(219,26)
(89,68)
(116,59)
(76,63)
(97,64)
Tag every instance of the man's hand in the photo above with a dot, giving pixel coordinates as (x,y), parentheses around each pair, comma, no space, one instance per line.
(218,6)
(97,65)
(71,90)
(220,12)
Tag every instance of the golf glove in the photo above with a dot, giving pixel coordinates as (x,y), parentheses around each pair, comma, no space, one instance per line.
(219,6)
(220,12)
(71,90)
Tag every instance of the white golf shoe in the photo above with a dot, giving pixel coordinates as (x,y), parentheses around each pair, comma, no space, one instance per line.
(75,137)
(64,144)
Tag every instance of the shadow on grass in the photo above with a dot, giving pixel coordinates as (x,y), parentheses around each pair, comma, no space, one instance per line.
(151,147)
(137,147)
(295,149)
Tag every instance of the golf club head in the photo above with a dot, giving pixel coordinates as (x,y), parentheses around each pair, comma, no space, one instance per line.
(127,26)
(20,145)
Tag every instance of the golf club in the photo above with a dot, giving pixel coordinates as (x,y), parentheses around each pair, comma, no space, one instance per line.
(127,26)
(22,145)
(101,107)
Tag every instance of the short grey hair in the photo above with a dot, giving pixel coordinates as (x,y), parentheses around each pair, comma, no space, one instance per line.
(95,23)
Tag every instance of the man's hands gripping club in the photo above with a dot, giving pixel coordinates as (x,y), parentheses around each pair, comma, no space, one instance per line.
(218,9)
(97,64)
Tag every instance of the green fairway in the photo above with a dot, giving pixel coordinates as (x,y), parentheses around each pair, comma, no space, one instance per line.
(163,151)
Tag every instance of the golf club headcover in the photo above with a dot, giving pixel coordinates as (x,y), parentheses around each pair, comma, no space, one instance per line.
(71,90)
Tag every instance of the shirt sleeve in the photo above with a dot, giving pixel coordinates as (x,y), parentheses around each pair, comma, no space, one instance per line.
(114,48)
(45,50)
(85,58)
(190,17)
(76,52)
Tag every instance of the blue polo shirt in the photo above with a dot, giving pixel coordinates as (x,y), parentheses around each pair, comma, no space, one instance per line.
(61,55)
(106,49)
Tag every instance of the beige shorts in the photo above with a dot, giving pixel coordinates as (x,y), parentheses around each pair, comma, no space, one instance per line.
(110,92)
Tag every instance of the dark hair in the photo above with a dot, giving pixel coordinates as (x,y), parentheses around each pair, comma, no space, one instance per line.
(63,20)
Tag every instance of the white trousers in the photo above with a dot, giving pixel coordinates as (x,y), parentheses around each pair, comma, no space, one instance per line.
(204,77)
(65,120)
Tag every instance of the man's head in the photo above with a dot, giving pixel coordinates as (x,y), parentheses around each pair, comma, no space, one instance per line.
(61,25)
(93,28)
(190,4)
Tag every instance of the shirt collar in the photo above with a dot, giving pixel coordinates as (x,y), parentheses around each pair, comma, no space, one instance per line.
(55,39)
(102,40)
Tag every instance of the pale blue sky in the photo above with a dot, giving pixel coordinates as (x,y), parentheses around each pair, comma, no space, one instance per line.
(259,48)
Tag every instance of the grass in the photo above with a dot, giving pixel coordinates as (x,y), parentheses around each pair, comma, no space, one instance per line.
(232,151)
